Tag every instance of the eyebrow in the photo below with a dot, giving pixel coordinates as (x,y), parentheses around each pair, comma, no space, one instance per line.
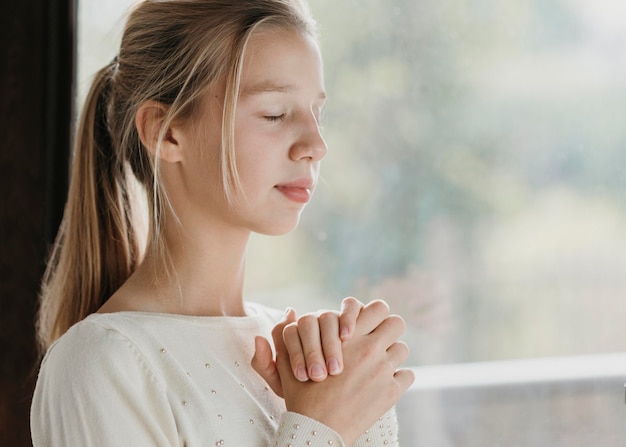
(271,87)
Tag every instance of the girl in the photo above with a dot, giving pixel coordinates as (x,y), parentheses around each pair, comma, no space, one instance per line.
(212,112)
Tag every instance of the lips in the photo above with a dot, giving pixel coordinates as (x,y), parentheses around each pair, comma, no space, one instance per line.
(299,191)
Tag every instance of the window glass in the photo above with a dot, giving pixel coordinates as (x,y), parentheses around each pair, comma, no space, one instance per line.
(475,174)
(100,27)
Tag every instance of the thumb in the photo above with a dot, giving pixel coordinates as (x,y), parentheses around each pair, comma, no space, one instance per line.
(263,360)
(263,363)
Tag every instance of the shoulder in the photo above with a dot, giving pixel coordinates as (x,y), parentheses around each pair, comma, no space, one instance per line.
(92,382)
(96,348)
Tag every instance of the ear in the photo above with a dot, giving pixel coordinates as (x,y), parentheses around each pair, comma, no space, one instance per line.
(149,121)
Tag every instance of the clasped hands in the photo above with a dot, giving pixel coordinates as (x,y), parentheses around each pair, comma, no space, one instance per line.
(340,368)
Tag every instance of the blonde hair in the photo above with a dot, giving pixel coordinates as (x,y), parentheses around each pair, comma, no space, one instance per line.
(172,51)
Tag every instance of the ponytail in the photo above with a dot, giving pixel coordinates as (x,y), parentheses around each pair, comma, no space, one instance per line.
(96,248)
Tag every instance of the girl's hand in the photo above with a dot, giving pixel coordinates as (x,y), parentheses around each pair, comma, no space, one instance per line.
(370,384)
(314,342)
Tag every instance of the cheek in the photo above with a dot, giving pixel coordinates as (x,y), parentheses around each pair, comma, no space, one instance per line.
(252,155)
(260,157)
(250,168)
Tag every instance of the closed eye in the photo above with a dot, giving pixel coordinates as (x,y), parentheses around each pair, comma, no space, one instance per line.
(275,118)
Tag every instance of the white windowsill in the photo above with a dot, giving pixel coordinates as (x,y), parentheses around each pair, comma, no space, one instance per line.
(511,372)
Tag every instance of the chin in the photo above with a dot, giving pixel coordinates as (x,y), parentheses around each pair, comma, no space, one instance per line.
(278,228)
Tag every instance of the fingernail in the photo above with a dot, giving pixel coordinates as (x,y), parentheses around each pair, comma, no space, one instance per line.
(317,372)
(301,374)
(333,366)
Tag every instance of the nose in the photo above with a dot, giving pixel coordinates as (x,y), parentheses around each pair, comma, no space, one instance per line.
(310,144)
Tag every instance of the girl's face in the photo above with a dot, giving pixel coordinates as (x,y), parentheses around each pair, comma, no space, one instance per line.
(278,144)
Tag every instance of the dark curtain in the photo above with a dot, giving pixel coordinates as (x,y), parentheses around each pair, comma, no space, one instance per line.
(36,79)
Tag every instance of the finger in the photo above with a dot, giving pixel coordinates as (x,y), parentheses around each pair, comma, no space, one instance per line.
(296,354)
(331,343)
(263,352)
(263,363)
(309,332)
(397,353)
(389,330)
(371,316)
(282,356)
(350,310)
(404,378)
(277,335)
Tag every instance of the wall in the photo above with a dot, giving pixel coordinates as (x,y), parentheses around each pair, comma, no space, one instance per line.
(36,41)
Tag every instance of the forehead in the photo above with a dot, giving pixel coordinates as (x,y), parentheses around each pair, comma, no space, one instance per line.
(284,61)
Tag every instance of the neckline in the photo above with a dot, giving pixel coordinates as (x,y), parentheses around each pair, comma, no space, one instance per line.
(252,312)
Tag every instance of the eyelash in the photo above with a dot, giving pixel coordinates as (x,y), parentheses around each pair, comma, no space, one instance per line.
(276,118)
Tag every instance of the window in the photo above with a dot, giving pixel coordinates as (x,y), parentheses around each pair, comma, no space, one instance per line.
(475,176)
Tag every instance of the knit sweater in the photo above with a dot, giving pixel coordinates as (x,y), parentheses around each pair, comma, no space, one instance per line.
(149,379)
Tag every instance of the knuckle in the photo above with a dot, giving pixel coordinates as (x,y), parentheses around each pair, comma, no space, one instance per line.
(379,306)
(307,320)
(399,355)
(350,301)
(296,358)
(404,378)
(312,355)
(404,348)
(290,330)
(397,320)
(350,306)
(327,315)
(332,349)
(278,331)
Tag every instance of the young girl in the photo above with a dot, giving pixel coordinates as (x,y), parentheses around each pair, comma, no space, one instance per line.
(211,110)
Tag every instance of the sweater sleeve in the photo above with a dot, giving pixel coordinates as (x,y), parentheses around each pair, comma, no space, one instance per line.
(95,390)
(296,430)
(383,433)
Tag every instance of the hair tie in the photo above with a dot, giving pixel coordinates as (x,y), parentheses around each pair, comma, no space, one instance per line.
(114,64)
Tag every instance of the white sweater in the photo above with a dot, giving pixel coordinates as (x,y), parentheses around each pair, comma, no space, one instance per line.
(144,379)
